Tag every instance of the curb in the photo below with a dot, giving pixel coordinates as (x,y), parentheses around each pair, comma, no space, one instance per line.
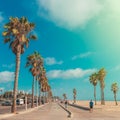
(69,113)
(6,115)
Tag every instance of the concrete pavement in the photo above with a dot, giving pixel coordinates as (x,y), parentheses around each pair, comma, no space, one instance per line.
(3,116)
(53,111)
(50,111)
(82,113)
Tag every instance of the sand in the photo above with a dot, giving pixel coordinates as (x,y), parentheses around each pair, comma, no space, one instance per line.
(109,105)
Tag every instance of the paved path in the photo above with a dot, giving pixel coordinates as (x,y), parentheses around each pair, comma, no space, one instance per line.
(54,112)
(97,114)
(48,112)
(7,109)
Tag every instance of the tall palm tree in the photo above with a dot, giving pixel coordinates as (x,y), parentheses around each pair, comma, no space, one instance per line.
(114,88)
(40,79)
(74,94)
(39,66)
(43,81)
(93,80)
(50,95)
(48,92)
(44,88)
(34,73)
(17,33)
(33,61)
(101,76)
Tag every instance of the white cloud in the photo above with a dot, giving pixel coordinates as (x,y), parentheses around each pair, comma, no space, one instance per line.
(69,74)
(69,14)
(86,80)
(82,55)
(52,61)
(1,17)
(8,66)
(111,13)
(113,6)
(116,68)
(6,76)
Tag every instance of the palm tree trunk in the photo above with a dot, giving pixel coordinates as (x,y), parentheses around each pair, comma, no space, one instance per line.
(115,99)
(48,96)
(39,94)
(16,79)
(102,97)
(32,105)
(44,96)
(36,91)
(95,95)
(73,98)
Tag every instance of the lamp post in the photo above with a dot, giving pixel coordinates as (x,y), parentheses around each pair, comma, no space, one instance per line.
(1,90)
(26,101)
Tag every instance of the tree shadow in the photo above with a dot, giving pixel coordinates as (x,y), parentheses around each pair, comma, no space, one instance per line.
(80,107)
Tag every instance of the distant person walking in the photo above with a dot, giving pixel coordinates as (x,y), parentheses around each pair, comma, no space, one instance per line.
(91,105)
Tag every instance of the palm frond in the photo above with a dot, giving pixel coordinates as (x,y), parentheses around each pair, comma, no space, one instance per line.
(5,33)
(7,26)
(33,37)
(6,40)
(32,25)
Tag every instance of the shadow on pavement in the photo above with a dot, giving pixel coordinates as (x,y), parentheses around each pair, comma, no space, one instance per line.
(80,107)
(69,113)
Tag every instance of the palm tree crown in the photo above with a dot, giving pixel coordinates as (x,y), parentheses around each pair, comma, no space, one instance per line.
(17,33)
(93,79)
(101,76)
(114,87)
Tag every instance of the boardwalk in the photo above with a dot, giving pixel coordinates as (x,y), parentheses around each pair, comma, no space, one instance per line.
(84,114)
(48,112)
(54,112)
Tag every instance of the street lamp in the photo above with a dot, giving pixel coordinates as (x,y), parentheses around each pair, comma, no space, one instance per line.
(26,100)
(1,90)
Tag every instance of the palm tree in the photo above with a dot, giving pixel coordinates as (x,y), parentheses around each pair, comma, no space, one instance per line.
(50,95)
(43,82)
(40,79)
(93,80)
(114,88)
(33,71)
(17,33)
(44,88)
(74,94)
(101,76)
(64,96)
(34,60)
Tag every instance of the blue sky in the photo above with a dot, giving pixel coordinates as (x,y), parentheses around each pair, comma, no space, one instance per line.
(75,38)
